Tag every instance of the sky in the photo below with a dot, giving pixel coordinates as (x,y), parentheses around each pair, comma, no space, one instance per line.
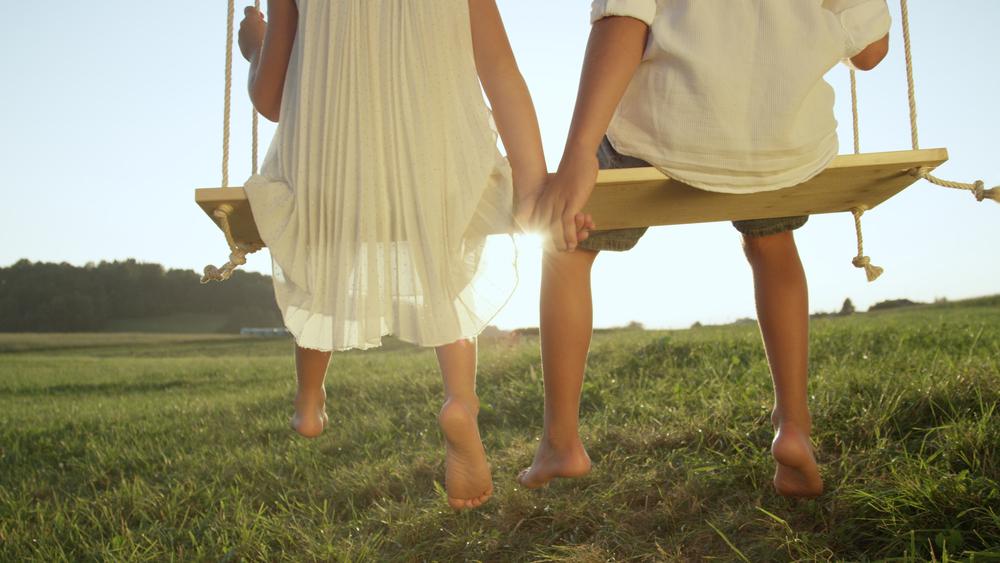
(112,115)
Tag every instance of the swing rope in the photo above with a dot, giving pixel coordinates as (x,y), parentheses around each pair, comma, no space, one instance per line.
(860,261)
(227,95)
(238,251)
(854,111)
(978,188)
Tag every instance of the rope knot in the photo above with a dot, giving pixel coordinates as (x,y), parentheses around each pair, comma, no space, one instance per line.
(872,271)
(979,188)
(983,194)
(238,258)
(211,273)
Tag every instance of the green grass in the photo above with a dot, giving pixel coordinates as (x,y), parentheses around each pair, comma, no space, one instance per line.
(158,447)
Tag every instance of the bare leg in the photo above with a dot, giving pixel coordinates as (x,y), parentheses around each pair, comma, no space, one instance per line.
(467,475)
(310,399)
(566,326)
(783,313)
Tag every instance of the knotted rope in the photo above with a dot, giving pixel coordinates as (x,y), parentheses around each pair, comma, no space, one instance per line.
(978,188)
(862,261)
(238,251)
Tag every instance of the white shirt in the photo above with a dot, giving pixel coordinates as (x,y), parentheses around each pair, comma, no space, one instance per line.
(730,95)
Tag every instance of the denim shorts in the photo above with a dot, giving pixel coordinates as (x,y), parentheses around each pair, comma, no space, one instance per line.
(624,239)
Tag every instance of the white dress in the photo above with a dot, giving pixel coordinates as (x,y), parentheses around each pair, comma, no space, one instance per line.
(384,178)
(730,95)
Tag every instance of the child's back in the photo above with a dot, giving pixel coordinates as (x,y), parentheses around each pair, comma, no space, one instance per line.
(383,178)
(730,95)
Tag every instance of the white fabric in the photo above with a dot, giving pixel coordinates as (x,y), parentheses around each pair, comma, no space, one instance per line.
(383,179)
(730,95)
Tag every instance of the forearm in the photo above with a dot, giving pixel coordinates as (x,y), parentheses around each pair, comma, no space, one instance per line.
(268,47)
(517,123)
(614,52)
(265,87)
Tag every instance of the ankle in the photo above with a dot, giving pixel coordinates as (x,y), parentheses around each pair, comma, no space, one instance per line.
(789,420)
(566,441)
(310,395)
(468,405)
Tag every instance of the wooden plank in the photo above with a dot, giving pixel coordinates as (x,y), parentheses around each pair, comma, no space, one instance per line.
(640,197)
(241,221)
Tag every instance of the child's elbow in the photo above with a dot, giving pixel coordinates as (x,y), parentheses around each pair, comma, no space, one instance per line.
(266,107)
(872,55)
(270,114)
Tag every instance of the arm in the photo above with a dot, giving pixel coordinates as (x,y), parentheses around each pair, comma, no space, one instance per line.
(872,55)
(268,47)
(613,54)
(513,110)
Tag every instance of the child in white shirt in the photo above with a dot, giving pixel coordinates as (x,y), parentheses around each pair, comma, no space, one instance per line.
(727,96)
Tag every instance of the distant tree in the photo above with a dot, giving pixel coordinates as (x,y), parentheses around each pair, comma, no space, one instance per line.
(848,308)
(635,325)
(697,324)
(892,304)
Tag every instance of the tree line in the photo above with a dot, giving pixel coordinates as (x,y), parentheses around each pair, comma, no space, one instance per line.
(48,297)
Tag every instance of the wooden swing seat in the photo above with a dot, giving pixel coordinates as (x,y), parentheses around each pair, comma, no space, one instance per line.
(645,197)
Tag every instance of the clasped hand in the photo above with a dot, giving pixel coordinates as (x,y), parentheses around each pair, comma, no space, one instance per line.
(558,212)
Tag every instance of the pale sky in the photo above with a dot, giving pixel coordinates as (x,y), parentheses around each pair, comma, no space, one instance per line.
(112,113)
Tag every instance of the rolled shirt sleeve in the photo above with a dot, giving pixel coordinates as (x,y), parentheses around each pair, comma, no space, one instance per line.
(864,22)
(642,10)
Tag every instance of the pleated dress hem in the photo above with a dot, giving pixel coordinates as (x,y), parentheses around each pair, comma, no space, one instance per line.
(273,204)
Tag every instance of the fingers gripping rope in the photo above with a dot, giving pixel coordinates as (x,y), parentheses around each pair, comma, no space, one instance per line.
(861,261)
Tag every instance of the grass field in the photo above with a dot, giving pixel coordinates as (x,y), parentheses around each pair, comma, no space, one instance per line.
(144,447)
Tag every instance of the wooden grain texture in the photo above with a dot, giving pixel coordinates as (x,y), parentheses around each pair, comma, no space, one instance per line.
(641,197)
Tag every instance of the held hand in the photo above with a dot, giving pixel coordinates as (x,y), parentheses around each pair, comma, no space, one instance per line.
(526,195)
(558,210)
(252,30)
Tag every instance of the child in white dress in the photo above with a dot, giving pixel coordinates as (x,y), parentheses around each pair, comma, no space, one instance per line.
(382,183)
(727,96)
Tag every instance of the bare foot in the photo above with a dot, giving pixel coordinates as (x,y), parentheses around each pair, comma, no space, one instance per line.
(797,474)
(467,475)
(310,413)
(551,462)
